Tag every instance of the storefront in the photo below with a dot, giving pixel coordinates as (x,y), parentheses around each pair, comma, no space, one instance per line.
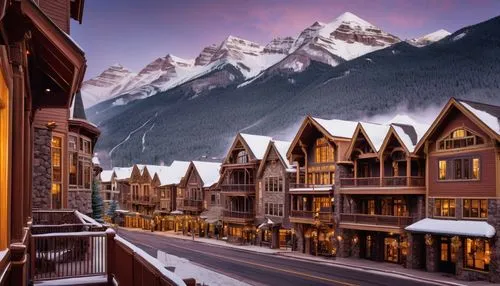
(458,247)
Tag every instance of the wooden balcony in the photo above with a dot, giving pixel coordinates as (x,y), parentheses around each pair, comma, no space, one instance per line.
(237,217)
(375,222)
(144,200)
(192,205)
(386,185)
(310,217)
(93,256)
(238,189)
(303,188)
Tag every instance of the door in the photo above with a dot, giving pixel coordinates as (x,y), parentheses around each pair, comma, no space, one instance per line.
(447,257)
(391,250)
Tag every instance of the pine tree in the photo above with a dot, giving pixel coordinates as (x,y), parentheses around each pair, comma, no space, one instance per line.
(112,208)
(97,204)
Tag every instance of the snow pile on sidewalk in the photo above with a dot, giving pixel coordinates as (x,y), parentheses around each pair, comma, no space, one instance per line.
(186,269)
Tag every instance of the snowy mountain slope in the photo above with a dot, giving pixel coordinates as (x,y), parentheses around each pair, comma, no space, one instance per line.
(429,38)
(345,38)
(109,83)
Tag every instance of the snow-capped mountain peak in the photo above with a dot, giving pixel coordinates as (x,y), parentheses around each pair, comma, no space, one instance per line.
(429,38)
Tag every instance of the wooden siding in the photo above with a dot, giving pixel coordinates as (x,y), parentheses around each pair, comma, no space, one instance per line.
(486,186)
(58,115)
(58,11)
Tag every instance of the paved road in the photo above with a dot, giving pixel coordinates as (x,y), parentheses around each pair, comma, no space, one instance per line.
(259,268)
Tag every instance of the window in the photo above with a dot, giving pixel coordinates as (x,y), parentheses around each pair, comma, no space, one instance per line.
(371,207)
(459,169)
(444,207)
(442,170)
(56,146)
(477,254)
(56,196)
(212,199)
(86,146)
(273,209)
(87,175)
(72,142)
(242,157)
(323,151)
(273,184)
(473,208)
(73,168)
(460,138)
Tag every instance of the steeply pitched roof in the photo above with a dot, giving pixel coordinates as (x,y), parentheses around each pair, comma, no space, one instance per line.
(282,147)
(106,176)
(209,172)
(123,173)
(376,133)
(173,174)
(77,110)
(256,143)
(489,114)
(337,127)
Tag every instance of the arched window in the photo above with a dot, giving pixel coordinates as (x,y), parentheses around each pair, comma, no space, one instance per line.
(459,138)
(242,157)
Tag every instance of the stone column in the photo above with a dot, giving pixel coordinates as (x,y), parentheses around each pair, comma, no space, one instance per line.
(42,168)
(432,256)
(414,259)
(345,241)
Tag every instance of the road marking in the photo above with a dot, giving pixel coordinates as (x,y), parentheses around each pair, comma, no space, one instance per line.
(257,264)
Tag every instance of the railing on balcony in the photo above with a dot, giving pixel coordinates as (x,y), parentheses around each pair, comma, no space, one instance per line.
(243,188)
(69,254)
(401,181)
(193,203)
(55,217)
(236,214)
(322,215)
(311,187)
(382,220)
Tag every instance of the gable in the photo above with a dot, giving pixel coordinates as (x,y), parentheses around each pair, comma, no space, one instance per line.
(308,132)
(359,144)
(238,146)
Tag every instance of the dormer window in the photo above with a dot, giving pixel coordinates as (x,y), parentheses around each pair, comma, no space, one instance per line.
(460,138)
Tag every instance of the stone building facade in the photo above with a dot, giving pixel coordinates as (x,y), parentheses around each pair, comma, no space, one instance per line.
(42,168)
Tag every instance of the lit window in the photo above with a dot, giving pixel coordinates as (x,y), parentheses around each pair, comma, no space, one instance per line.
(56,196)
(444,207)
(442,170)
(459,133)
(474,208)
(459,138)
(477,254)
(475,168)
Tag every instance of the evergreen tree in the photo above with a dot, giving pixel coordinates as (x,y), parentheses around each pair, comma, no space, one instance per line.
(112,208)
(97,204)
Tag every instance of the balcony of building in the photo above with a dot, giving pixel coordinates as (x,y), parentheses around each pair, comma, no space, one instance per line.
(311,209)
(144,200)
(394,174)
(381,213)
(192,205)
(239,182)
(239,210)
(69,248)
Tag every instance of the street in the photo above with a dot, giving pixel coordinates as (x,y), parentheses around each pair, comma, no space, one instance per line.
(259,268)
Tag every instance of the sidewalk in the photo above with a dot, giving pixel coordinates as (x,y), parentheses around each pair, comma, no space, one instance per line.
(367,265)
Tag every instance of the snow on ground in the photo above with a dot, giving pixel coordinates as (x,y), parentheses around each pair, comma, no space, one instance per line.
(186,269)
(131,133)
(459,36)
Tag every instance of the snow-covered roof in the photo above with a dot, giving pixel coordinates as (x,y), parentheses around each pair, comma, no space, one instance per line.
(257,144)
(173,174)
(376,133)
(282,147)
(488,114)
(106,176)
(122,173)
(420,128)
(208,171)
(337,127)
(453,227)
(95,160)
(154,169)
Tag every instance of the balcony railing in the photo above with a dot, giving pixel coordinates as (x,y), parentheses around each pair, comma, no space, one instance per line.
(401,181)
(310,187)
(69,253)
(382,220)
(322,215)
(235,214)
(238,188)
(193,203)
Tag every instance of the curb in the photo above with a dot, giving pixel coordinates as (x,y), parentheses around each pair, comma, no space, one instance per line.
(442,282)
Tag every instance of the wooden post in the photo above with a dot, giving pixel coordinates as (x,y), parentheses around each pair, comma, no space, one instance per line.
(17,183)
(28,170)
(408,170)
(356,172)
(110,255)
(382,170)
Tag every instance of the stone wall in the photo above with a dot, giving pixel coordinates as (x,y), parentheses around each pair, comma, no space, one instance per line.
(494,220)
(415,258)
(42,168)
(80,200)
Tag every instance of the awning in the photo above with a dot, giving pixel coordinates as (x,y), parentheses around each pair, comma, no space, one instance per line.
(267,224)
(176,212)
(453,227)
(212,215)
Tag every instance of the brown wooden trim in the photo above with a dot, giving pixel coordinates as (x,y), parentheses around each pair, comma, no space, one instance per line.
(383,191)
(371,227)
